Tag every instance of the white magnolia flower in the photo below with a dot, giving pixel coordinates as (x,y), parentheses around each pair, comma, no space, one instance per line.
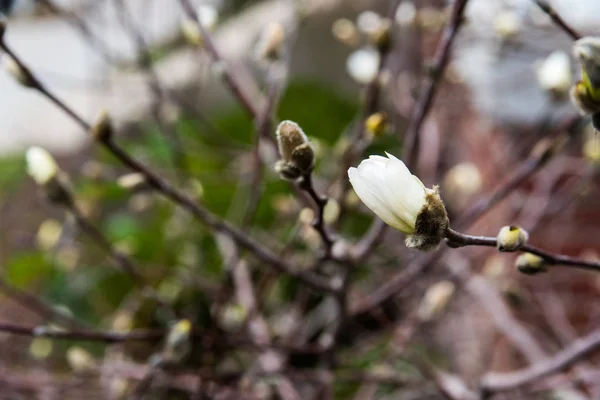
(401,200)
(41,166)
(362,65)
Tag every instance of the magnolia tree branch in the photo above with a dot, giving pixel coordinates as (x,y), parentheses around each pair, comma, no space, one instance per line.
(579,349)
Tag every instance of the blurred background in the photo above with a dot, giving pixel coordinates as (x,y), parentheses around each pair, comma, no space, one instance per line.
(502,102)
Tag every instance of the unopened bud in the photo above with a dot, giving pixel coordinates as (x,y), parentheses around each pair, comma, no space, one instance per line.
(586,93)
(382,37)
(270,43)
(102,130)
(435,300)
(44,170)
(511,238)
(376,124)
(530,264)
(297,154)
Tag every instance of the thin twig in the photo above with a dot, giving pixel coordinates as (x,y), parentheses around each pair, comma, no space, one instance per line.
(579,349)
(421,108)
(557,19)
(231,81)
(318,223)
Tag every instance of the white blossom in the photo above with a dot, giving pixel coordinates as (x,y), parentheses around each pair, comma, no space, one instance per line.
(41,166)
(388,188)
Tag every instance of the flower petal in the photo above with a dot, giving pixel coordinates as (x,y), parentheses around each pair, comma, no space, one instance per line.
(364,189)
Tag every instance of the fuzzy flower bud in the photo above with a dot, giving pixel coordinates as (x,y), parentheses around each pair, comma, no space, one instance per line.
(401,200)
(530,264)
(511,238)
(103,129)
(586,93)
(297,154)
(177,346)
(363,64)
(19,72)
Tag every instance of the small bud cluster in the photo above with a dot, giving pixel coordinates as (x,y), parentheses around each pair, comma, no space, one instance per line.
(297,154)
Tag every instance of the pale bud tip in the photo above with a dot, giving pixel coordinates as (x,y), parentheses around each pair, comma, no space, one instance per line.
(41,166)
(511,238)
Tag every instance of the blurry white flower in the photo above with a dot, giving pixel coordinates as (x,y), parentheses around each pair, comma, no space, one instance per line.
(401,200)
(368,22)
(362,65)
(554,73)
(40,165)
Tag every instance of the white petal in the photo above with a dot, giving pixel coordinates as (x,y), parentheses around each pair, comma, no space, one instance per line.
(40,165)
(407,196)
(363,189)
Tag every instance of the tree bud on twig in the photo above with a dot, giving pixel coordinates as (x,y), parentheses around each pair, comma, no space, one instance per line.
(177,346)
(102,130)
(376,124)
(382,37)
(44,170)
(511,238)
(530,264)
(297,154)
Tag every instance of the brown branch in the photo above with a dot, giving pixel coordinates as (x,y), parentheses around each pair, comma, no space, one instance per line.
(457,239)
(557,19)
(579,349)
(318,223)
(421,108)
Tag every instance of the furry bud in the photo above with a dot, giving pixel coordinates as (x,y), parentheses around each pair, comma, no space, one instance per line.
(511,238)
(530,264)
